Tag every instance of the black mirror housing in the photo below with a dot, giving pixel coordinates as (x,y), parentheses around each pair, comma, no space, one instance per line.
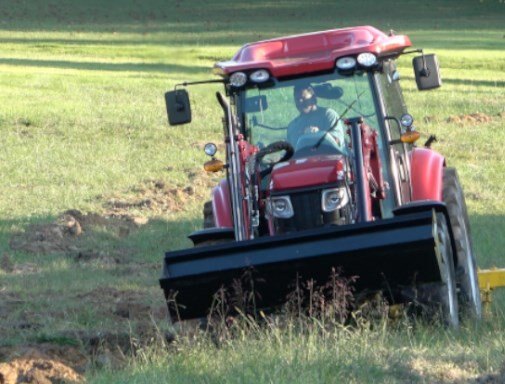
(178,107)
(427,72)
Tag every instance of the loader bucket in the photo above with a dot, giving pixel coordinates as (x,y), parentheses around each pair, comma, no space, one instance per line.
(388,253)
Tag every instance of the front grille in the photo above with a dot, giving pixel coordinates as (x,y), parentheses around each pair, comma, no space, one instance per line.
(307,212)
(307,208)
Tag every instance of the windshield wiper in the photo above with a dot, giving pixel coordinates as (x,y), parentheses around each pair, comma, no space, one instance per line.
(255,123)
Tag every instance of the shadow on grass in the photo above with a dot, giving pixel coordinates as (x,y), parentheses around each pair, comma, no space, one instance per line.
(114,67)
(480,83)
(193,18)
(125,241)
(102,282)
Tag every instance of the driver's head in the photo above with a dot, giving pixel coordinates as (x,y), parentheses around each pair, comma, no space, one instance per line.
(305,98)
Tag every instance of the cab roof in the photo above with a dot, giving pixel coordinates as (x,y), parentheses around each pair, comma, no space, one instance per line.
(311,52)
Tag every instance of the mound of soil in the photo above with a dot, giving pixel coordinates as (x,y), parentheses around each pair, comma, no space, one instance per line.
(64,234)
(41,364)
(472,118)
(123,214)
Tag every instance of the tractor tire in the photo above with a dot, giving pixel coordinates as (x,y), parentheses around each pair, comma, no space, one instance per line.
(440,300)
(208,215)
(466,266)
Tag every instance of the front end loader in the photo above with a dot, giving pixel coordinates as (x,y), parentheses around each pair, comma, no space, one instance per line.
(323,174)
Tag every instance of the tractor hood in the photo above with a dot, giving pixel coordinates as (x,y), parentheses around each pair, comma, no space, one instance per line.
(307,172)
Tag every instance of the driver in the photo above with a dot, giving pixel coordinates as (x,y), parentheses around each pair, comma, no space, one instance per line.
(313,118)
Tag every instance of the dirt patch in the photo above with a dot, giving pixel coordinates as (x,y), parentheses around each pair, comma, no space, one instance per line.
(125,304)
(442,372)
(473,118)
(67,234)
(124,213)
(41,364)
(7,265)
(465,119)
(156,197)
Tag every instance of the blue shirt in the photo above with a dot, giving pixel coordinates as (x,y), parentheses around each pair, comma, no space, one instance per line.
(322,118)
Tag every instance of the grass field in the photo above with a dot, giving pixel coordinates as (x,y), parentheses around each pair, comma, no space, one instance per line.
(83,127)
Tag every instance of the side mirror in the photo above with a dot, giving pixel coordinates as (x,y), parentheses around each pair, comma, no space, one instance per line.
(427,72)
(178,107)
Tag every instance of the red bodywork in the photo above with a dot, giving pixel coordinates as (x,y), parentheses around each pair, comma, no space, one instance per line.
(307,172)
(293,55)
(427,169)
(221,205)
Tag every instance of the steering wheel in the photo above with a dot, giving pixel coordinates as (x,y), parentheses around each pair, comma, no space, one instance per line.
(273,148)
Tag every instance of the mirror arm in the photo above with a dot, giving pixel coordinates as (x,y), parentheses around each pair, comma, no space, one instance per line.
(223,103)
(424,71)
(185,84)
(180,106)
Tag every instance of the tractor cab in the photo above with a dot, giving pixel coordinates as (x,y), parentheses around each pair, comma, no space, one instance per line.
(304,91)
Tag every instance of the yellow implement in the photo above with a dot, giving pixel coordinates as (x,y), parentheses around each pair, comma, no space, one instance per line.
(489,279)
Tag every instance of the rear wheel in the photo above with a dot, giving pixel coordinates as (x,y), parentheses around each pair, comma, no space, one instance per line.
(466,266)
(440,299)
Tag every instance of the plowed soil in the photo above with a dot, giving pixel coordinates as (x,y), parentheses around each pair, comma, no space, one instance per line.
(42,364)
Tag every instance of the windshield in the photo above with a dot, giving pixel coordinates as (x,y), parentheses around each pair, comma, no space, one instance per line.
(308,112)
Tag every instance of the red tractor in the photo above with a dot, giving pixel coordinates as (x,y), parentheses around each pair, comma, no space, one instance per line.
(322,172)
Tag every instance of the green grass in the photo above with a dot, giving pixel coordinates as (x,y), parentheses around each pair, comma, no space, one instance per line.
(319,355)
(82,121)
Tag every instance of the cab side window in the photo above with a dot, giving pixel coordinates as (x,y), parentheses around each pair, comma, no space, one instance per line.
(395,107)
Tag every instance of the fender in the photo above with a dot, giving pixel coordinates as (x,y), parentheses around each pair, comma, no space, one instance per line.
(221,205)
(426,170)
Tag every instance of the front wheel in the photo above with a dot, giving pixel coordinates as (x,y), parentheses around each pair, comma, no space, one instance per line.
(466,266)
(440,299)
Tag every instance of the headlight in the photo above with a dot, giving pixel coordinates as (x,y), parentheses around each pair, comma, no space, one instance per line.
(406,120)
(346,63)
(238,79)
(281,207)
(210,149)
(259,76)
(367,59)
(333,199)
